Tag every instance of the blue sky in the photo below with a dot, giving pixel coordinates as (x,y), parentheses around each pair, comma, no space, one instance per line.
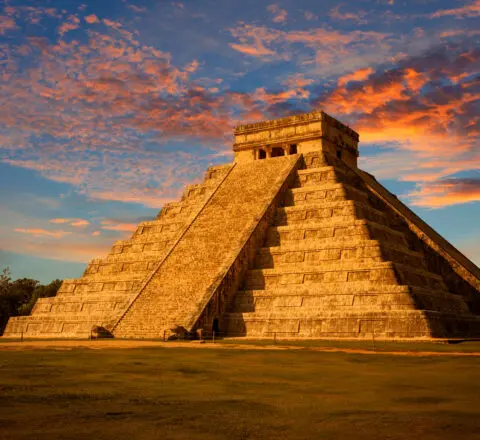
(110,108)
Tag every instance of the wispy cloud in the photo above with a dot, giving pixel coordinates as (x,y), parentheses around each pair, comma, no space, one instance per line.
(446,192)
(6,24)
(42,232)
(114,225)
(279,14)
(75,222)
(469,10)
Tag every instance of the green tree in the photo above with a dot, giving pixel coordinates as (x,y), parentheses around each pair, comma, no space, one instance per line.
(18,297)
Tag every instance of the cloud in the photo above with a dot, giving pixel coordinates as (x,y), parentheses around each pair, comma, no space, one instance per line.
(92,18)
(310,16)
(446,192)
(114,225)
(470,10)
(279,15)
(137,9)
(71,24)
(425,110)
(97,115)
(42,232)
(6,24)
(330,51)
(357,17)
(75,222)
(357,75)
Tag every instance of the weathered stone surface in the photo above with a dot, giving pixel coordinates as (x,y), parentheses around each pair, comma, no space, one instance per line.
(300,246)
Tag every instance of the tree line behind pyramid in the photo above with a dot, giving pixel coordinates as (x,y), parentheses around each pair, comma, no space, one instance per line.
(290,240)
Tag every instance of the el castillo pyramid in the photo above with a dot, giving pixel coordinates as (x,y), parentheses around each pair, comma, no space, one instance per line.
(291,240)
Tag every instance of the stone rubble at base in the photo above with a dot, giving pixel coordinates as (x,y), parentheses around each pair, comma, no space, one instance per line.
(290,240)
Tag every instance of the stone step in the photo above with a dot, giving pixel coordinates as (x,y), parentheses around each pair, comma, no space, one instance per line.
(421,299)
(169,232)
(139,248)
(336,228)
(324,192)
(293,215)
(384,273)
(81,307)
(150,256)
(313,176)
(166,223)
(340,288)
(56,326)
(409,324)
(129,274)
(82,287)
(321,159)
(120,267)
(318,251)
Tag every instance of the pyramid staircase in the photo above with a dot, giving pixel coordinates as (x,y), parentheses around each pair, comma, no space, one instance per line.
(339,262)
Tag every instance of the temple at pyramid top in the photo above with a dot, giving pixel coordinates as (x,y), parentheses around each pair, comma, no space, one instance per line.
(299,134)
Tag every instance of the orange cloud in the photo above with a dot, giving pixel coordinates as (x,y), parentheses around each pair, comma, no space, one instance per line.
(112,225)
(357,75)
(471,10)
(279,15)
(92,18)
(446,192)
(6,24)
(75,222)
(70,25)
(42,232)
(332,50)
(426,111)
(357,17)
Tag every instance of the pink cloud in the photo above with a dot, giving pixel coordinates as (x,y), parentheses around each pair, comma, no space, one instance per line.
(6,24)
(357,75)
(468,11)
(42,232)
(446,192)
(112,225)
(358,17)
(92,18)
(70,25)
(279,15)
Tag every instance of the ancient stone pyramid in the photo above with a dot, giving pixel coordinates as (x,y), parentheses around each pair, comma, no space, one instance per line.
(291,240)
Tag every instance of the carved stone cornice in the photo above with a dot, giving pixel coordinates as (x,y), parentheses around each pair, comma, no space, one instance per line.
(295,120)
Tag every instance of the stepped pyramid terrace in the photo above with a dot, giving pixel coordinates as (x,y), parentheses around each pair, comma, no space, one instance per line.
(291,240)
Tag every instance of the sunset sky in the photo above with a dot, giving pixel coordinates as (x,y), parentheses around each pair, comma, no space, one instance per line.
(109,107)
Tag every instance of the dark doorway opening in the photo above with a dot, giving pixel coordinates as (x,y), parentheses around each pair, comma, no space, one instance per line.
(215,326)
(293,149)
(277,151)
(262,154)
(339,154)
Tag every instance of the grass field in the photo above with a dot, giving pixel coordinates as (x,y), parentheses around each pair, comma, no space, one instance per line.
(186,393)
